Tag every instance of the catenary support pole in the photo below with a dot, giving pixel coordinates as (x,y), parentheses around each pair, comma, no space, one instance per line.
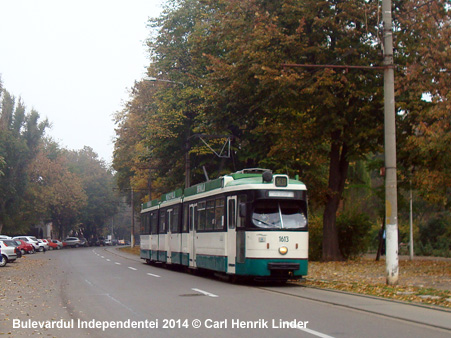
(391,203)
(132,235)
(411,224)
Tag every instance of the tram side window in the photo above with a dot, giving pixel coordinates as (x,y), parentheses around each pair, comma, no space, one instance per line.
(175,220)
(201,216)
(185,224)
(210,225)
(219,214)
(154,222)
(232,214)
(241,220)
(145,223)
(162,229)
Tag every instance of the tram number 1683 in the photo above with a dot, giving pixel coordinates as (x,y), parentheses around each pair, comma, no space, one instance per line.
(284,239)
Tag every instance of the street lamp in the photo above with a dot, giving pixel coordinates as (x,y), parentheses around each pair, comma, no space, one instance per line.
(154,79)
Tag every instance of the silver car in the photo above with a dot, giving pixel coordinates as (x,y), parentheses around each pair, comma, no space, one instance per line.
(72,241)
(7,254)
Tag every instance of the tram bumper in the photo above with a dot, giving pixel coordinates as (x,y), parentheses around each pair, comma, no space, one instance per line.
(273,269)
(283,266)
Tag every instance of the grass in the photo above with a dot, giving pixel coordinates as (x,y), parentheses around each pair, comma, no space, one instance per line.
(130,250)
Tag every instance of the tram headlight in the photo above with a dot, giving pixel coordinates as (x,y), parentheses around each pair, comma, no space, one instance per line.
(283,250)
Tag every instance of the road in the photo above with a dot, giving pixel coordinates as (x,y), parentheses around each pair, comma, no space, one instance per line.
(100,289)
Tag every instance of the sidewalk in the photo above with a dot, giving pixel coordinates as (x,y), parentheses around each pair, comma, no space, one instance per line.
(420,314)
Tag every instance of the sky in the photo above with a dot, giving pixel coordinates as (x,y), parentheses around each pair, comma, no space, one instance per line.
(74,61)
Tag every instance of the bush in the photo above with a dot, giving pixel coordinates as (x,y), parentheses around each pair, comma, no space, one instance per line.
(435,236)
(353,234)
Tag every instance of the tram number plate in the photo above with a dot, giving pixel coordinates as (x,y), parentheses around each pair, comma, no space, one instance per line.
(284,239)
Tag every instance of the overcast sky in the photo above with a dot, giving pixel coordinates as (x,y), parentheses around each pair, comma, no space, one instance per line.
(74,61)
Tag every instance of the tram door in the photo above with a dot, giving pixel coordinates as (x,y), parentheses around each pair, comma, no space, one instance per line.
(231,234)
(167,243)
(192,235)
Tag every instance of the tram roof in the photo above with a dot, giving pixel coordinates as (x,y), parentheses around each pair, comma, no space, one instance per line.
(244,177)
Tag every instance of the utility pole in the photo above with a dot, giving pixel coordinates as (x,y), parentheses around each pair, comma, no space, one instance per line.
(391,201)
(411,224)
(132,237)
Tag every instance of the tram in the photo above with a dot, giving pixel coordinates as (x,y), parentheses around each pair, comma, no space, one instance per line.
(248,224)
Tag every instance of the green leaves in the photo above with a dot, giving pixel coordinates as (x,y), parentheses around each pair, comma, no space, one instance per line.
(20,134)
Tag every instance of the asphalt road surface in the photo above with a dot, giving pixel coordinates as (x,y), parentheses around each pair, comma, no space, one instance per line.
(99,292)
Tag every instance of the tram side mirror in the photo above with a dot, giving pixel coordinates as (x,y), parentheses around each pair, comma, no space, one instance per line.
(243,210)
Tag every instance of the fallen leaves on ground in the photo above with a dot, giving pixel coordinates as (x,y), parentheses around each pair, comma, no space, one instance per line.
(426,281)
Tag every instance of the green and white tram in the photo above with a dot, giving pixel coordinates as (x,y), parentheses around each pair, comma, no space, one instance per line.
(247,224)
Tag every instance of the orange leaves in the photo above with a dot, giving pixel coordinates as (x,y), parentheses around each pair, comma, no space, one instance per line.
(421,280)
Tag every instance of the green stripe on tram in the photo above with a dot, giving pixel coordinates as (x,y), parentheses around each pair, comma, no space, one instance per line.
(216,263)
(145,254)
(259,267)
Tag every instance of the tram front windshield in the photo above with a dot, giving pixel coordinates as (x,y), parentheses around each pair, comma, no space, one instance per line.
(278,214)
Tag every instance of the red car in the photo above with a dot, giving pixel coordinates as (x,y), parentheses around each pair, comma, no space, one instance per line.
(25,247)
(51,244)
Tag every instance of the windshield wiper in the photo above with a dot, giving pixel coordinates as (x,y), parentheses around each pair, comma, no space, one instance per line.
(269,225)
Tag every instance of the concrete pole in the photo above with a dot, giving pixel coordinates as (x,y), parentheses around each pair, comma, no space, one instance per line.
(411,224)
(391,203)
(132,235)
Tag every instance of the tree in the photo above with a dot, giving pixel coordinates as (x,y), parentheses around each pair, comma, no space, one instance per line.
(315,121)
(56,194)
(97,183)
(247,89)
(20,135)
(423,89)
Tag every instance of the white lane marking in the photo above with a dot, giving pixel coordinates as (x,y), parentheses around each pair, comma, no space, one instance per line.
(88,282)
(151,274)
(315,333)
(117,301)
(108,260)
(102,257)
(117,263)
(205,293)
(132,268)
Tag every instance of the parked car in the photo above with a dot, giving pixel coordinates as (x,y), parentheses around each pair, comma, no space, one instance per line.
(72,242)
(4,237)
(51,244)
(29,239)
(58,243)
(25,247)
(100,241)
(7,254)
(12,244)
(83,242)
(43,246)
(108,242)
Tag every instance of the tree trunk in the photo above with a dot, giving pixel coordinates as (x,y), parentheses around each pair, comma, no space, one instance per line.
(338,171)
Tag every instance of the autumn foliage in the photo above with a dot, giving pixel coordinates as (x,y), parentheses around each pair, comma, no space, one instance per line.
(222,63)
